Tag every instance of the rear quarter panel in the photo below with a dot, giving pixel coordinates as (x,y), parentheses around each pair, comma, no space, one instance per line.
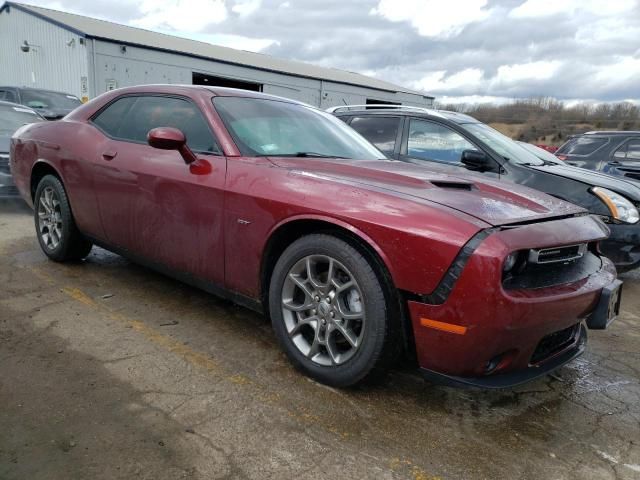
(68,147)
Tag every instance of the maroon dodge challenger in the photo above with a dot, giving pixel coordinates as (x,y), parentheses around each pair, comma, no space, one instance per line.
(357,259)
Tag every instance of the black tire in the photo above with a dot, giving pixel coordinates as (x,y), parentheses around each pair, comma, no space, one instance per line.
(372,354)
(72,245)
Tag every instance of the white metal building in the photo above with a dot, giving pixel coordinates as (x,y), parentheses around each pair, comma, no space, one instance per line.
(84,56)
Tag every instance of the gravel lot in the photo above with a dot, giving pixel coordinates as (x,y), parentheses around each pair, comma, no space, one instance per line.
(108,370)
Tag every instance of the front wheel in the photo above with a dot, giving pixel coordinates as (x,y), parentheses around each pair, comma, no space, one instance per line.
(57,233)
(328,310)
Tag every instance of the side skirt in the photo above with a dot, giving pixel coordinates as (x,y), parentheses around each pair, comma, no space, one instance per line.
(184,277)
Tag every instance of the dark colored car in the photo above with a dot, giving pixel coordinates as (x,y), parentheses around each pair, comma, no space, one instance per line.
(541,153)
(12,117)
(284,208)
(50,104)
(615,153)
(452,143)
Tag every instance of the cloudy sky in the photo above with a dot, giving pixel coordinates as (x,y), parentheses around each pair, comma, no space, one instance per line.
(457,50)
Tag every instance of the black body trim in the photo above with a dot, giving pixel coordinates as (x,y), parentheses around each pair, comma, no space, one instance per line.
(610,298)
(508,380)
(449,279)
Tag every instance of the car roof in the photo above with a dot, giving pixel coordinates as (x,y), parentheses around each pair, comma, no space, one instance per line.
(455,117)
(611,132)
(217,91)
(34,89)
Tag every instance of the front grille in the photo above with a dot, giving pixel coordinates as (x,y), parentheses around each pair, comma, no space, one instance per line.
(540,275)
(557,254)
(634,176)
(554,343)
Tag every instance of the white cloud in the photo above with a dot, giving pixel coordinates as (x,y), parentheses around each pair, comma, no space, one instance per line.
(436,81)
(472,99)
(185,15)
(433,18)
(543,8)
(246,7)
(616,29)
(232,41)
(622,70)
(541,70)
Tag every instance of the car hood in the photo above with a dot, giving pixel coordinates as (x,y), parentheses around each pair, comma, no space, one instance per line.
(485,200)
(629,189)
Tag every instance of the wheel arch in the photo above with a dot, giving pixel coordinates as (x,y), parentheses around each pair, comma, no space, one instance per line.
(291,229)
(40,169)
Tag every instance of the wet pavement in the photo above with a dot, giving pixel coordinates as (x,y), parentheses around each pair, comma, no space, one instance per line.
(108,370)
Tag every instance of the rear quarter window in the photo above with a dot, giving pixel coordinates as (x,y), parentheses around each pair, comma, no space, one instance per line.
(583,145)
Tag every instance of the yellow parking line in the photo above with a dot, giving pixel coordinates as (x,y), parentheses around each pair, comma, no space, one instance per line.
(192,356)
(202,360)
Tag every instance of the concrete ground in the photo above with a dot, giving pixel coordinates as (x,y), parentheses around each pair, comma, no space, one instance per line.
(108,370)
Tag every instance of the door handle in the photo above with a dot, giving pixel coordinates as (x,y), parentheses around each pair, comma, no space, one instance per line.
(109,155)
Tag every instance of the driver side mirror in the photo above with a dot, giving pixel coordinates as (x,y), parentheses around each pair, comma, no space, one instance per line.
(168,138)
(476,161)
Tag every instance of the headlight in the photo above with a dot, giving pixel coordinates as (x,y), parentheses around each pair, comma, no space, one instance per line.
(620,208)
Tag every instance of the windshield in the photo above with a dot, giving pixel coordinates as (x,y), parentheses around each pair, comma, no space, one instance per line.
(502,144)
(12,118)
(44,99)
(262,127)
(582,145)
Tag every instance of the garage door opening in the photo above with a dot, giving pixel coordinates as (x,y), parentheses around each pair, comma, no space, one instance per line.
(211,81)
(373,101)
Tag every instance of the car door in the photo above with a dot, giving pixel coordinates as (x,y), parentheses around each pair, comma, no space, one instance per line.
(151,203)
(384,132)
(434,145)
(626,160)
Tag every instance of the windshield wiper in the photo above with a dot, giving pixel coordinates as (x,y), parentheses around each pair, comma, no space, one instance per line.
(313,154)
(299,154)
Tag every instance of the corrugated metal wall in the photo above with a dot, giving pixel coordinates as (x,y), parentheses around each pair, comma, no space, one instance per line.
(117,68)
(59,61)
(50,64)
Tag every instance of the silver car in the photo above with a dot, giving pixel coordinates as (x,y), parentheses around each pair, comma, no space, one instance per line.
(12,117)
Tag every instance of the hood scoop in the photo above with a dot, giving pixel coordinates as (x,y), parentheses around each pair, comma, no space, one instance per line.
(492,201)
(453,185)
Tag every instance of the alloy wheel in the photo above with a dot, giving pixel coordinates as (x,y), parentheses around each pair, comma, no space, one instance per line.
(49,218)
(323,310)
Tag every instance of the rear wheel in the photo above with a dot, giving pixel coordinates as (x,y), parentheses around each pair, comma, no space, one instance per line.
(328,310)
(57,233)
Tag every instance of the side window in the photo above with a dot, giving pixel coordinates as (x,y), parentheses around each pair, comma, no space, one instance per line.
(633,150)
(430,141)
(584,145)
(381,131)
(112,119)
(10,96)
(131,118)
(7,96)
